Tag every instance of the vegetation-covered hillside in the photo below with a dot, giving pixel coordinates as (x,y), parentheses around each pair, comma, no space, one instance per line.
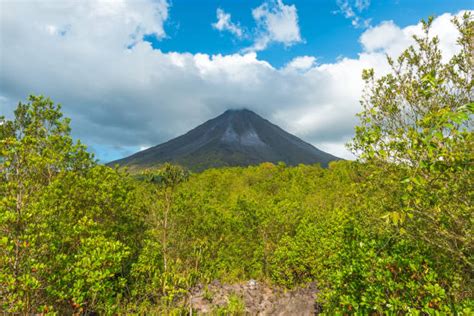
(388,234)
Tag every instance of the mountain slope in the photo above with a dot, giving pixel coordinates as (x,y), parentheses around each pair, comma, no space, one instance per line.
(235,138)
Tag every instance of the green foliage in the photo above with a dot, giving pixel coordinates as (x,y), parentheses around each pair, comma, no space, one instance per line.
(304,257)
(68,227)
(34,147)
(235,306)
(416,130)
(93,235)
(385,274)
(419,117)
(154,277)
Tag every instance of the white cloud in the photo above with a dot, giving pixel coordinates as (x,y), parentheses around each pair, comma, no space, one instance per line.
(301,63)
(352,10)
(385,35)
(362,4)
(124,99)
(276,22)
(390,39)
(224,23)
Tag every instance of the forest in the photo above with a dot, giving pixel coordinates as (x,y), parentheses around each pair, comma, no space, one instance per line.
(390,233)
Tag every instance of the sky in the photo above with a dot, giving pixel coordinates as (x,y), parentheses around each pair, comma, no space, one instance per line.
(134,73)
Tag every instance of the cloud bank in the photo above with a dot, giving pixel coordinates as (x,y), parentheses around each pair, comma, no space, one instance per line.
(123,95)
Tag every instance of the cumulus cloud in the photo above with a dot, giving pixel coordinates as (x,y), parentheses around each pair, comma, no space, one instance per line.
(124,95)
(276,22)
(224,23)
(389,38)
(352,10)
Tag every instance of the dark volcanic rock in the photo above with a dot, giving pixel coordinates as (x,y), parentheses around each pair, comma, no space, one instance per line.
(257,298)
(235,138)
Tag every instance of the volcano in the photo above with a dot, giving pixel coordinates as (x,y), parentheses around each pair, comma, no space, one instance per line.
(234,138)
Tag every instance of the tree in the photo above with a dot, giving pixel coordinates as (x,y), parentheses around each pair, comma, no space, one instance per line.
(419,117)
(34,148)
(154,275)
(91,231)
(168,177)
(416,130)
(69,228)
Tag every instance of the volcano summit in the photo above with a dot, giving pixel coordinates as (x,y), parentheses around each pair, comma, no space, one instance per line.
(234,138)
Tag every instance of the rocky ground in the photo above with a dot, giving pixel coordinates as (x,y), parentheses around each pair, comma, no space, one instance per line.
(253,298)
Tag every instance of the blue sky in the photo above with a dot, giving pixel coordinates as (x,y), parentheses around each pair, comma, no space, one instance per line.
(327,33)
(135,73)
